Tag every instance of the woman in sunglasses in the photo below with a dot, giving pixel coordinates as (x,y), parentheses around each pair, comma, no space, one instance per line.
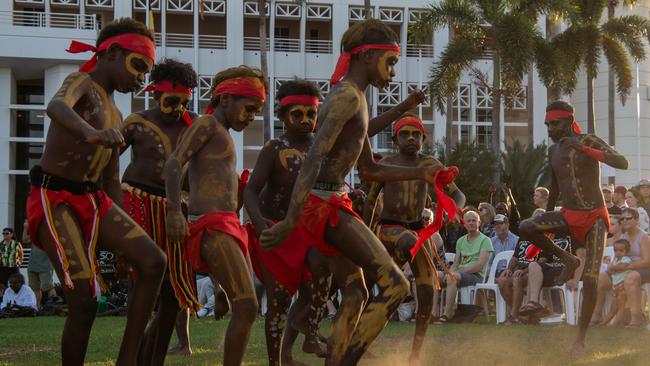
(11,256)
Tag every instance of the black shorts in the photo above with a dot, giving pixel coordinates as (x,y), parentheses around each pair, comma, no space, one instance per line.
(550,271)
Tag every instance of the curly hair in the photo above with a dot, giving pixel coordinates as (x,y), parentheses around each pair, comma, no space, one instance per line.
(368,31)
(296,87)
(178,72)
(562,105)
(122,26)
(235,72)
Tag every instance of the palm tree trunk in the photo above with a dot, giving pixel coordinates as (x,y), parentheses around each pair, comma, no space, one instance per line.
(611,92)
(552,29)
(591,101)
(448,127)
(530,104)
(366,8)
(265,68)
(496,116)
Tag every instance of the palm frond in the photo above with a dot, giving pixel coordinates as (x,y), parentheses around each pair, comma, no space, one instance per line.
(617,59)
(459,55)
(591,10)
(535,8)
(630,30)
(516,37)
(568,48)
(455,14)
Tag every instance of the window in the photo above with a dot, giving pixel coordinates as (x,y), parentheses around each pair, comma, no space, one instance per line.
(282,32)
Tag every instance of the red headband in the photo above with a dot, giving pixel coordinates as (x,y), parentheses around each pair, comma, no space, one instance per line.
(168,86)
(245,86)
(135,42)
(299,99)
(343,63)
(561,114)
(408,121)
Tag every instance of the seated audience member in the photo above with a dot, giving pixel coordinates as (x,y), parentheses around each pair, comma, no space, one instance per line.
(473,251)
(18,299)
(542,273)
(39,271)
(643,190)
(502,240)
(540,197)
(608,193)
(632,199)
(617,272)
(486,213)
(619,197)
(615,230)
(514,279)
(639,269)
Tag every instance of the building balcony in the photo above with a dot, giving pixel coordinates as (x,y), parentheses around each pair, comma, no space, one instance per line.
(37,19)
(183,40)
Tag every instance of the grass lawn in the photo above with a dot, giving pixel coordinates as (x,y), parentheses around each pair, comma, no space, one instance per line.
(35,341)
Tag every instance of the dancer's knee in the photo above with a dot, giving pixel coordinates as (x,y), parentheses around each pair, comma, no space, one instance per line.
(153,265)
(245,309)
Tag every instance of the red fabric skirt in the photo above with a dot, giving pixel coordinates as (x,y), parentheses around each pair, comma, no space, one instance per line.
(150,212)
(286,262)
(315,215)
(225,222)
(88,209)
(580,222)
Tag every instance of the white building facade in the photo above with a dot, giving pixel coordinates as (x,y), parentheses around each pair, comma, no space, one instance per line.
(304,42)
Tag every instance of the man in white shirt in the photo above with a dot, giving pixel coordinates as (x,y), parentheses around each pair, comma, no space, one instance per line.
(18,299)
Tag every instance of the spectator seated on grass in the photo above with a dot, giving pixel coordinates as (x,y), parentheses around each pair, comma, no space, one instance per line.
(470,264)
(18,299)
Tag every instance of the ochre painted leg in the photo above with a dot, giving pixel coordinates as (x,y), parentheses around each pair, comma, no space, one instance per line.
(230,268)
(424,284)
(165,320)
(278,302)
(120,234)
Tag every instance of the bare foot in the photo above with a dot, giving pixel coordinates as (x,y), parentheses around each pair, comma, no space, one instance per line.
(180,349)
(577,349)
(570,265)
(315,346)
(221,305)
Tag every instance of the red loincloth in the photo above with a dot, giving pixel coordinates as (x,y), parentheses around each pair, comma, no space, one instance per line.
(580,222)
(225,222)
(286,262)
(150,212)
(315,215)
(88,209)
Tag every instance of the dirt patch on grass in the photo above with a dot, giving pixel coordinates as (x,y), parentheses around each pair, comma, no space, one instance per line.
(11,353)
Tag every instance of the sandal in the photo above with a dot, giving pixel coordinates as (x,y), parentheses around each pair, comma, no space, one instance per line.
(442,320)
(533,307)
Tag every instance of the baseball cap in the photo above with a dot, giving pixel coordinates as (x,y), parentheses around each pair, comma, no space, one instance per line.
(620,189)
(608,188)
(500,218)
(644,182)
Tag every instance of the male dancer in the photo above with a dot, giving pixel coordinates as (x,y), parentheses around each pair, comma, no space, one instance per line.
(69,213)
(369,53)
(283,269)
(401,218)
(574,159)
(153,134)
(217,242)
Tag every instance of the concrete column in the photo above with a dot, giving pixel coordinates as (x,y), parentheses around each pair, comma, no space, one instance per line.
(234,32)
(53,79)
(7,97)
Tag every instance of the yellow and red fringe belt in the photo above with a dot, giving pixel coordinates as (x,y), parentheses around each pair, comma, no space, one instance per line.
(150,212)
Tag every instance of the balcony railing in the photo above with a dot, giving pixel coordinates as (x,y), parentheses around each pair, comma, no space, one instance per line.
(184,40)
(318,46)
(253,44)
(423,50)
(287,44)
(49,20)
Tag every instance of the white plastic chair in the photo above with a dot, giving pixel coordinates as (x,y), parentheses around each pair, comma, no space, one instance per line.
(569,301)
(490,285)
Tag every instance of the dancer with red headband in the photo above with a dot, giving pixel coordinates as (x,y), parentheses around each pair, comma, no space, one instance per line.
(215,241)
(70,213)
(574,158)
(320,206)
(152,135)
(401,220)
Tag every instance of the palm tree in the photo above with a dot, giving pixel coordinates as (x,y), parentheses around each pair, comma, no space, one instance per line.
(478,27)
(524,168)
(265,68)
(587,38)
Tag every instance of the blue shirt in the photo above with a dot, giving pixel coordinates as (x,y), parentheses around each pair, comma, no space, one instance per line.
(502,245)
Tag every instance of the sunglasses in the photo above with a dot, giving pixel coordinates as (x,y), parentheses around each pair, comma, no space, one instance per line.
(625,218)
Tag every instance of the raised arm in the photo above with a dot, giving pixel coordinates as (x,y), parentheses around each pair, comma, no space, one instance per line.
(382,121)
(370,205)
(596,148)
(60,110)
(259,177)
